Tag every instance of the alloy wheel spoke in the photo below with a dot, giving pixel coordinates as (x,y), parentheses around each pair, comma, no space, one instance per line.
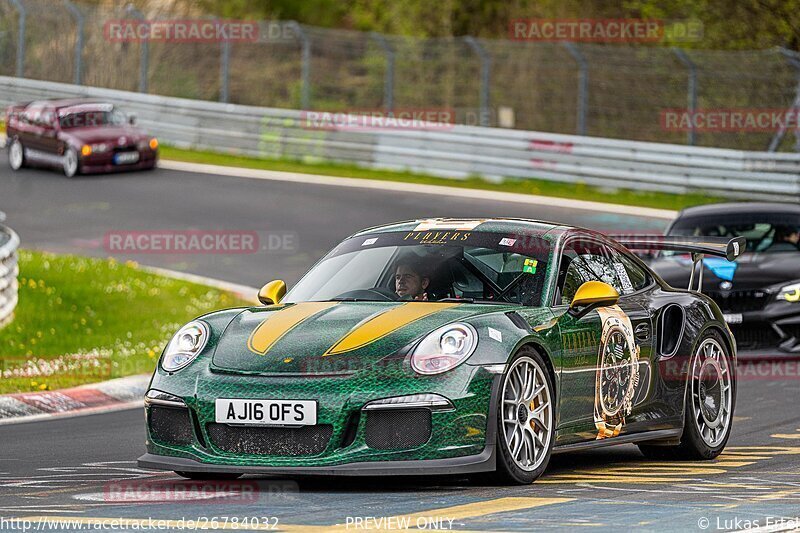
(526,395)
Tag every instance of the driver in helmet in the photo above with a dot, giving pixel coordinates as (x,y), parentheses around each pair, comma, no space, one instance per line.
(411,280)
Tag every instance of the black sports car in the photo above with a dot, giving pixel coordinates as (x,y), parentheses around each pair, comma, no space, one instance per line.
(759,294)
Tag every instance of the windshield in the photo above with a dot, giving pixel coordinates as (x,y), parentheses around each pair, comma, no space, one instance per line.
(470,267)
(765,232)
(90,119)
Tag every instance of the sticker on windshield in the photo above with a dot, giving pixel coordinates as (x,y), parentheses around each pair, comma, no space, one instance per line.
(370,241)
(529,267)
(507,242)
(462,225)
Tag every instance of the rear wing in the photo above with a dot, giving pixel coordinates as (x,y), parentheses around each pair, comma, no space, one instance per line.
(730,249)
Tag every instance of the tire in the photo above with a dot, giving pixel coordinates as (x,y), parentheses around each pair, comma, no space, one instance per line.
(708,409)
(522,461)
(16,155)
(71,165)
(208,476)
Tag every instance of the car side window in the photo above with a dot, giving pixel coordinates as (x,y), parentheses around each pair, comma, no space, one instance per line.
(31,115)
(570,278)
(583,261)
(46,119)
(632,277)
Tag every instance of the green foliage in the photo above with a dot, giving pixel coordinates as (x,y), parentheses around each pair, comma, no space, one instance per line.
(737,24)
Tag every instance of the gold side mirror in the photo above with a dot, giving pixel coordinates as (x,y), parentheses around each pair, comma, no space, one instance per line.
(591,295)
(272,293)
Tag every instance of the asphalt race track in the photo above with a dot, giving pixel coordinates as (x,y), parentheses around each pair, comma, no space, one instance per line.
(83,468)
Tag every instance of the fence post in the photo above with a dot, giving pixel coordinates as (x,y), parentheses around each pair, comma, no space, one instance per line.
(388,78)
(305,68)
(583,86)
(20,37)
(144,51)
(691,95)
(224,70)
(79,18)
(486,65)
(794,59)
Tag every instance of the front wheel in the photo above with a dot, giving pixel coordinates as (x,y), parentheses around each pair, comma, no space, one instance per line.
(71,165)
(525,419)
(710,401)
(16,155)
(207,476)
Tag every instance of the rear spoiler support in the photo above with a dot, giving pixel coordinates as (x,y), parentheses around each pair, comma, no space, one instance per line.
(698,247)
(696,258)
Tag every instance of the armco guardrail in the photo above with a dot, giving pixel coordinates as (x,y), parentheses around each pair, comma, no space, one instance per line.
(455,152)
(9,242)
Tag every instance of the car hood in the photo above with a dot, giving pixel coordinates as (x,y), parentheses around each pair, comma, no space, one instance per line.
(748,272)
(111,134)
(329,337)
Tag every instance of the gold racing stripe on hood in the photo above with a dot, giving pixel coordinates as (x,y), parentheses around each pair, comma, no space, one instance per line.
(279,323)
(384,323)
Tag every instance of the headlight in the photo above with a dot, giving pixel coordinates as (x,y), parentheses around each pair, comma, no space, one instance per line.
(144,144)
(444,349)
(790,293)
(184,346)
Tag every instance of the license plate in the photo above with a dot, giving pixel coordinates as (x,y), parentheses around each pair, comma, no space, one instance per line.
(267,412)
(733,318)
(126,158)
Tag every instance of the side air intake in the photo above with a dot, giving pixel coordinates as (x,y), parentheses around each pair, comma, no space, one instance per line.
(671,326)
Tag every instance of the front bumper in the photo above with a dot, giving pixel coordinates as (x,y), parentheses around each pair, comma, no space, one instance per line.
(483,462)
(772,332)
(103,163)
(461,438)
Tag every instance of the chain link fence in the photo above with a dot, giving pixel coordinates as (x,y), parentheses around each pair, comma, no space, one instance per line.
(616,91)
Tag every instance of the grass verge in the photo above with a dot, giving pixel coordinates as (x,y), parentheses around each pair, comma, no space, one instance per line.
(578,191)
(82,320)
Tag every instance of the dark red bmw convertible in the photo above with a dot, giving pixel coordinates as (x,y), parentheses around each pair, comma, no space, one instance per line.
(78,136)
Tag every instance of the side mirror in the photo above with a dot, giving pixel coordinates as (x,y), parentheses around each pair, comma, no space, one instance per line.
(272,293)
(591,295)
(132,119)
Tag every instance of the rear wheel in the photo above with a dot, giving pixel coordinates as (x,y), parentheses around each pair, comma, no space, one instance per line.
(525,419)
(16,155)
(710,401)
(208,476)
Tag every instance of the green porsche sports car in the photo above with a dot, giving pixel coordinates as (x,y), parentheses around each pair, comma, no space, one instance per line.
(449,346)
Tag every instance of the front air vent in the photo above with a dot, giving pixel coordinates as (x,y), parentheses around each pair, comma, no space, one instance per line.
(395,429)
(281,441)
(671,326)
(170,425)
